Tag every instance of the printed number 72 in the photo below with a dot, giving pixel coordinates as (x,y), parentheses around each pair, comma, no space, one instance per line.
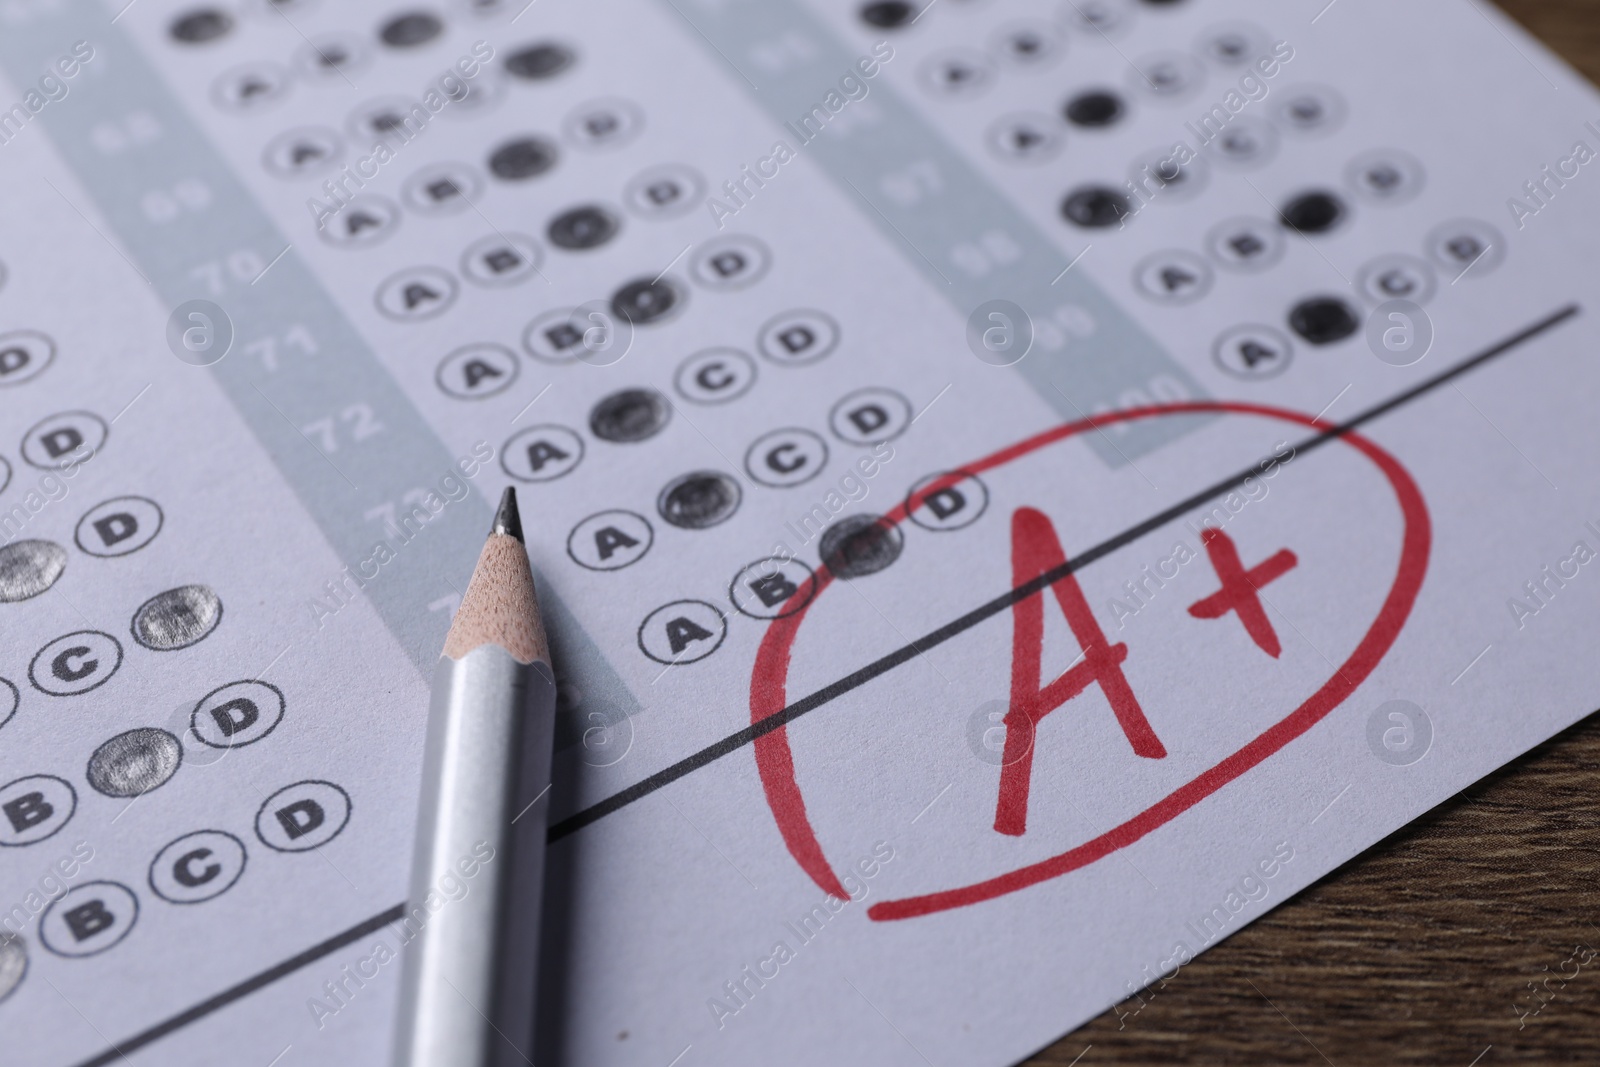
(360,422)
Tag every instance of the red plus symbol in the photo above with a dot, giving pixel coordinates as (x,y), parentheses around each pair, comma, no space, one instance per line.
(1239,592)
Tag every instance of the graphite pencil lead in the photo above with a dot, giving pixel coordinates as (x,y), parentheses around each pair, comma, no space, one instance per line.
(500,605)
(507,520)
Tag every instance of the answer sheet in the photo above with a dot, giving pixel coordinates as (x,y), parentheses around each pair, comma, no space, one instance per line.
(1018,490)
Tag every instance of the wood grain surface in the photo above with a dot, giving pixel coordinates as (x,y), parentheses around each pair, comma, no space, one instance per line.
(1422,949)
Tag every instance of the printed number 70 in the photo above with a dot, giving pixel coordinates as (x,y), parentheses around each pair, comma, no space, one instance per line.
(241,266)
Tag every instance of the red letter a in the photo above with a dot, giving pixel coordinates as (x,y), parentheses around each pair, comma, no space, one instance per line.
(1035,549)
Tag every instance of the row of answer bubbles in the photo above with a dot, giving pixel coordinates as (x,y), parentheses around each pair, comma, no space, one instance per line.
(1025,46)
(1384,177)
(850,547)
(383,129)
(400,30)
(598,335)
(445,188)
(617,538)
(469,83)
(95,916)
(1031,42)
(115,527)
(562,335)
(139,760)
(84,660)
(780,458)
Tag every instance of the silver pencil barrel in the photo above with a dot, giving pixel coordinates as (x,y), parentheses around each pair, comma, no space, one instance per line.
(472,917)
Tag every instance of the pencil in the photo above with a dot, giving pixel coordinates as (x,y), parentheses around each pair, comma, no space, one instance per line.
(472,917)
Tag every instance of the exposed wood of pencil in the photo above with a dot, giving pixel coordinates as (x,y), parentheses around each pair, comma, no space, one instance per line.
(500,606)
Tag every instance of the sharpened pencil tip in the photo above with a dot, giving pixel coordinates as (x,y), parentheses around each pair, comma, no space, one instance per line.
(506,519)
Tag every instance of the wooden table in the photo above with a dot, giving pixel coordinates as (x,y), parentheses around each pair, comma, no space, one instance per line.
(1420,950)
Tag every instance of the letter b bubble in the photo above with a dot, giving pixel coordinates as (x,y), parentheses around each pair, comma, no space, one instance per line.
(773,588)
(89,918)
(303,816)
(34,808)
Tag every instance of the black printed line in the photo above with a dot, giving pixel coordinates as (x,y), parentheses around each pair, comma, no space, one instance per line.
(246,987)
(735,741)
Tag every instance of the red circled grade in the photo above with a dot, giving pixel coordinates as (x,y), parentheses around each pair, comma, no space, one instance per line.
(768,683)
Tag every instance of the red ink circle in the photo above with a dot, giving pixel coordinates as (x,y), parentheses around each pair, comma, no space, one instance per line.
(769,678)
